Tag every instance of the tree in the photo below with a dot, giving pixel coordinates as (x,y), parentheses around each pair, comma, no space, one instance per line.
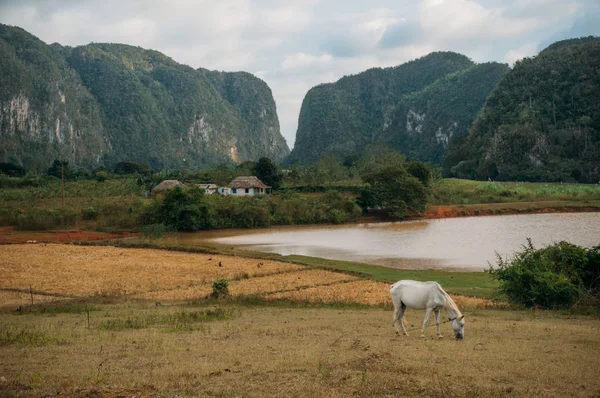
(186,210)
(128,167)
(11,169)
(56,169)
(420,170)
(267,172)
(394,190)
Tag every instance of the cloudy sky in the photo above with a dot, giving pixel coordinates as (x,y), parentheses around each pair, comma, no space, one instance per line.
(296,44)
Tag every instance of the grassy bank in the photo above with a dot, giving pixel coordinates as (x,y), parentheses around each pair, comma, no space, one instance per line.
(477,284)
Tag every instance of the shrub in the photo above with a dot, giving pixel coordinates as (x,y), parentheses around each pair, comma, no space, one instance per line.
(89,213)
(186,210)
(220,289)
(100,176)
(153,231)
(552,277)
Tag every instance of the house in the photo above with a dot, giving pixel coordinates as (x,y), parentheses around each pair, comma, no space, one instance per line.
(246,186)
(166,185)
(224,191)
(208,188)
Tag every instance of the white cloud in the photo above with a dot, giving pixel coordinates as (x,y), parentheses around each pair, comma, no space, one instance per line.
(466,19)
(514,55)
(302,60)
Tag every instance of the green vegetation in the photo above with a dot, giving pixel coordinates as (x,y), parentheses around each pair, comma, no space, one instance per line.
(541,123)
(76,104)
(29,337)
(478,284)
(191,210)
(267,172)
(392,188)
(327,191)
(176,321)
(452,191)
(416,107)
(220,289)
(559,275)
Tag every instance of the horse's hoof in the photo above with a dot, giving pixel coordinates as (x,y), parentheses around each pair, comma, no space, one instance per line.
(406,334)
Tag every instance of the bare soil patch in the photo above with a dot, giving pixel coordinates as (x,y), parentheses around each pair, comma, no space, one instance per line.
(12,235)
(489,209)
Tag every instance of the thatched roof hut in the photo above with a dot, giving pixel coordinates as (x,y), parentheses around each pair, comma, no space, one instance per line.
(168,184)
(247,182)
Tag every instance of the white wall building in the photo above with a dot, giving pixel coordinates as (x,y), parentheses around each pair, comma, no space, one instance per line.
(245,186)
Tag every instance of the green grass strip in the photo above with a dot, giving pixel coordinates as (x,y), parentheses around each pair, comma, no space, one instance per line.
(478,284)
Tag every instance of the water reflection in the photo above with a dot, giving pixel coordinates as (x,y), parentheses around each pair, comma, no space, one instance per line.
(457,243)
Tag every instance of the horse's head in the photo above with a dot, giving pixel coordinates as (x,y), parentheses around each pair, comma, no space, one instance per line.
(458,326)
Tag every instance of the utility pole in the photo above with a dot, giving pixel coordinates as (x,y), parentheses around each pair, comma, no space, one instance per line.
(62,178)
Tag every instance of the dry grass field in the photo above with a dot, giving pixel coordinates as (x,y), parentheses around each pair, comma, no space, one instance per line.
(110,322)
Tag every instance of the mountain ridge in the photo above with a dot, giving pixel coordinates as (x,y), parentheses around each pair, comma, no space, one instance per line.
(542,121)
(101,103)
(346,116)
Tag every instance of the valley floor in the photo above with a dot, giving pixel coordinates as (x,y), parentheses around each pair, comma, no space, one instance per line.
(108,321)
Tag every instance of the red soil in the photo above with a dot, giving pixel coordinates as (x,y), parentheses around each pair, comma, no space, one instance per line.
(497,209)
(11,235)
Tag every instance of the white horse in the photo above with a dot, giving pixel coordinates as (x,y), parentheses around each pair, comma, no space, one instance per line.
(428,296)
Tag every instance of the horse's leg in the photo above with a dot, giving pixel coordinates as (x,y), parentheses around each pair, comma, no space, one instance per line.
(426,320)
(401,319)
(398,315)
(437,322)
(395,318)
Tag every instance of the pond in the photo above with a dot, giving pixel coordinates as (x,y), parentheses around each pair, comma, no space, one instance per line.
(454,243)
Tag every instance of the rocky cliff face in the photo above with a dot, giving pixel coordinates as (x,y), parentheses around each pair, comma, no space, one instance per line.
(541,122)
(418,107)
(103,103)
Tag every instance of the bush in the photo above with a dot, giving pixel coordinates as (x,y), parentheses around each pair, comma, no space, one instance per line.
(101,176)
(154,231)
(89,213)
(556,276)
(220,289)
(184,210)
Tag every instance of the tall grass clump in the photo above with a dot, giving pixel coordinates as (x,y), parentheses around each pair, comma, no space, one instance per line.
(176,321)
(24,337)
(44,219)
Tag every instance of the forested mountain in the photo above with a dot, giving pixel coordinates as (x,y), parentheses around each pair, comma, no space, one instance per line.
(417,107)
(541,123)
(103,103)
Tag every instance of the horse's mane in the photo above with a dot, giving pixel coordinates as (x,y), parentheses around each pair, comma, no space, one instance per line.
(450,303)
